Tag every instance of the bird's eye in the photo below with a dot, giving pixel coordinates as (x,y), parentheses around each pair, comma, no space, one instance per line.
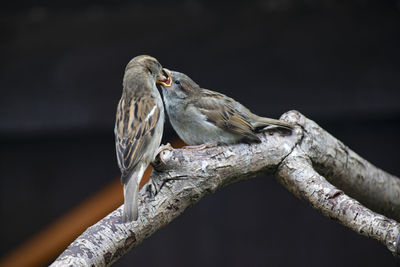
(150,70)
(177,82)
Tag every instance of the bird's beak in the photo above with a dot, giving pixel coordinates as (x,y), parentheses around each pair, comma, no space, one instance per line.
(165,78)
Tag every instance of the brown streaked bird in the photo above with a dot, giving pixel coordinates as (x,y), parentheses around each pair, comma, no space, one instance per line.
(201,116)
(139,125)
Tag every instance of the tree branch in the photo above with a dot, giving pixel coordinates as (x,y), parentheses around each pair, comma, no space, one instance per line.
(185,176)
(345,169)
(298,176)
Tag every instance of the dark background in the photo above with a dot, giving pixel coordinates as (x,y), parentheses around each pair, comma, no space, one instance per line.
(61,69)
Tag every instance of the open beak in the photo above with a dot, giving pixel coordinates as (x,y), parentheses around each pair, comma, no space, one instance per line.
(166,79)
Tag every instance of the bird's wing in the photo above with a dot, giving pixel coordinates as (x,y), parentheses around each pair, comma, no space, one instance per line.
(220,111)
(135,125)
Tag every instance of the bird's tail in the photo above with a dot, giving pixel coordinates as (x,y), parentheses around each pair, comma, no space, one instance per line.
(260,123)
(131,190)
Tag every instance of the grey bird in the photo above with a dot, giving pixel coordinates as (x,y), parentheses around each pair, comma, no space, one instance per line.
(139,125)
(201,116)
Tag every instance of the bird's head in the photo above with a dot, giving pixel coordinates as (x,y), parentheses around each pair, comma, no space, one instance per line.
(181,86)
(152,67)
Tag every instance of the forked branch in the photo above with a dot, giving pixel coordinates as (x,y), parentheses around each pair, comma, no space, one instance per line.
(303,162)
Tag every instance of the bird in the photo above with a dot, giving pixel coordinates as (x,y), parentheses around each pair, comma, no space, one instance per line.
(204,118)
(139,125)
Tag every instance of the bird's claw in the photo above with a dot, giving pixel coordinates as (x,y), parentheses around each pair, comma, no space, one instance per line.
(164,147)
(200,147)
(151,189)
(158,162)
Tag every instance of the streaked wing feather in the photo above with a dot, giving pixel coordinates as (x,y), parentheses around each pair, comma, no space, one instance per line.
(135,125)
(220,111)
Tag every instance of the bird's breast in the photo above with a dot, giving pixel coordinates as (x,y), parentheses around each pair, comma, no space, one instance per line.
(194,129)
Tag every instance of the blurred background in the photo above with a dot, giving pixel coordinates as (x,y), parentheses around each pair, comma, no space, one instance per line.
(61,69)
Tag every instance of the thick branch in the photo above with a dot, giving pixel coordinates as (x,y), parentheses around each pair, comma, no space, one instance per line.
(341,166)
(185,176)
(298,176)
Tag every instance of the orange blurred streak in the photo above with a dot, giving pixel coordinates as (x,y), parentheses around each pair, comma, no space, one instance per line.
(46,245)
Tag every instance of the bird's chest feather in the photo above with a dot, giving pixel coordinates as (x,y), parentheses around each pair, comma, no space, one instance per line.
(193,127)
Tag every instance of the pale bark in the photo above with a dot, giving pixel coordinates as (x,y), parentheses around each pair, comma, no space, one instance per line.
(185,176)
(345,169)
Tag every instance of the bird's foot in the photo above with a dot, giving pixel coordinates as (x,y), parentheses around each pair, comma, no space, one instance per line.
(200,147)
(164,147)
(152,189)
(158,162)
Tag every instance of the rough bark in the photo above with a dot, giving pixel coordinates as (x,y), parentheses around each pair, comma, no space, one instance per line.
(297,160)
(345,169)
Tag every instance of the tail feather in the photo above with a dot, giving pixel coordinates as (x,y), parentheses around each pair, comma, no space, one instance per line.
(260,123)
(131,212)
(131,191)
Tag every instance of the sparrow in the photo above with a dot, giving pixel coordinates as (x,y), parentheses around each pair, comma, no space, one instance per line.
(139,125)
(201,116)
